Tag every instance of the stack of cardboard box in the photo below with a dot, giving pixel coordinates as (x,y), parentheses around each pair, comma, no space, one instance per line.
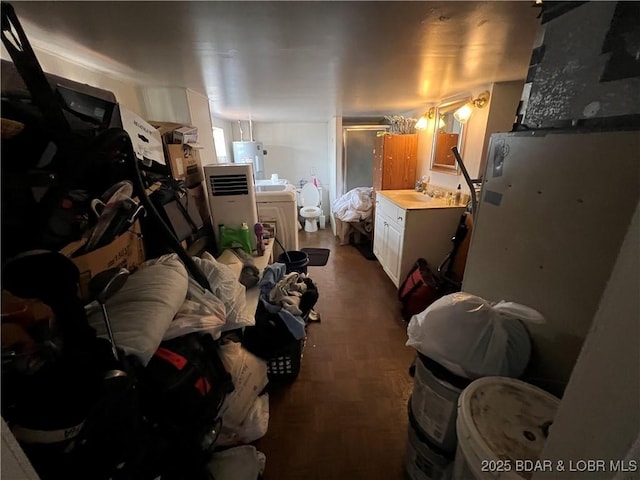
(181,150)
(180,144)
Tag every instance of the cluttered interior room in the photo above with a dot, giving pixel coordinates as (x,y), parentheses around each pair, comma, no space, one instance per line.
(320,240)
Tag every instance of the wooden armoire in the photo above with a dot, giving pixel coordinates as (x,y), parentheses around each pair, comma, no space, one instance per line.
(394,162)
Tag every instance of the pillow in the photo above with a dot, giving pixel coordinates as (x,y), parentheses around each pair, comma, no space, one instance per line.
(225,287)
(141,311)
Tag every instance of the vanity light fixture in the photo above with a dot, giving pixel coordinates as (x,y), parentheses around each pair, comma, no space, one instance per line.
(463,114)
(421,124)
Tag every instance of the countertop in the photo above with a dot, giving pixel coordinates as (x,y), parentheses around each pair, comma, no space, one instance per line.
(412,200)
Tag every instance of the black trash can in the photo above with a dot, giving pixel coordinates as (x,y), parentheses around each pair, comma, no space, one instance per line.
(295,261)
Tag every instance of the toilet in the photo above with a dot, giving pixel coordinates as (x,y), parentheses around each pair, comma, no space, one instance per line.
(310,211)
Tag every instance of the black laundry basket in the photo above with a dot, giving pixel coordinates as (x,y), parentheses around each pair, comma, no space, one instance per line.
(284,364)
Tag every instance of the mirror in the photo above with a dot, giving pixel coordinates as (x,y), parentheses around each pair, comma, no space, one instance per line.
(448,133)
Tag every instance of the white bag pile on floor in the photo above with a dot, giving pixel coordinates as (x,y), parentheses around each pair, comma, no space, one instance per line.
(253,427)
(243,413)
(239,463)
(213,311)
(256,423)
(472,337)
(355,205)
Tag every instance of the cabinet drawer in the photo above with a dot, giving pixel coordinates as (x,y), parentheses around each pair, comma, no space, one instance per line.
(391,211)
(384,206)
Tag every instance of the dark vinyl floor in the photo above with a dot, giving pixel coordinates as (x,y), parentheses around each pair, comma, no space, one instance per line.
(345,417)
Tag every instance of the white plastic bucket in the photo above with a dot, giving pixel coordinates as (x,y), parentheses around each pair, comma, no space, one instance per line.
(501,423)
(422,460)
(434,402)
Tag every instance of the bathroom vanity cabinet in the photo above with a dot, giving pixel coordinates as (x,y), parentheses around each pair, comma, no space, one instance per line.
(394,161)
(408,227)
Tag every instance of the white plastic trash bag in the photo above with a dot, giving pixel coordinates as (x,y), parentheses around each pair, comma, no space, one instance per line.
(239,463)
(253,427)
(249,375)
(472,337)
(256,424)
(355,205)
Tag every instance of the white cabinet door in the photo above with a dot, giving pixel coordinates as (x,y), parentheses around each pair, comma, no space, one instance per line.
(393,243)
(378,237)
(387,245)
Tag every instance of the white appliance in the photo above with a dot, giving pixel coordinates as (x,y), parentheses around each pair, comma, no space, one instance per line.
(250,152)
(280,208)
(232,196)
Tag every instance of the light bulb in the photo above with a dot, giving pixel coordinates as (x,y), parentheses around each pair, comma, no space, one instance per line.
(463,113)
(421,124)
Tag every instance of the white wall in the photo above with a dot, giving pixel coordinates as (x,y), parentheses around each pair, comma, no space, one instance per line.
(334,132)
(166,104)
(295,151)
(201,118)
(227,127)
(127,93)
(182,105)
(599,416)
(502,113)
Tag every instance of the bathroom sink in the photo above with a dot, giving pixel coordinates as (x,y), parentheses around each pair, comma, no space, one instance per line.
(270,185)
(270,188)
(414,197)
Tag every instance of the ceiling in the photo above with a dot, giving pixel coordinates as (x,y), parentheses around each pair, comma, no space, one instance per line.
(295,61)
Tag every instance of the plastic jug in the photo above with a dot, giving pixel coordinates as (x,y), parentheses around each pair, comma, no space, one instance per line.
(231,237)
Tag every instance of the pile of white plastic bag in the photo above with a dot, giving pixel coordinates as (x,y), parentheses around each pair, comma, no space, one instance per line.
(354,206)
(472,337)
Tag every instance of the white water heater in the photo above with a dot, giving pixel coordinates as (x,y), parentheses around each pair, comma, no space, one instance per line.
(232,196)
(250,152)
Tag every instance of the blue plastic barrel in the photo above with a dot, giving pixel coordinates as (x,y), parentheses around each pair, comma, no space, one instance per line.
(295,261)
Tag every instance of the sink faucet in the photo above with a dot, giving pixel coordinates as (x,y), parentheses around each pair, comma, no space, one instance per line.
(422,184)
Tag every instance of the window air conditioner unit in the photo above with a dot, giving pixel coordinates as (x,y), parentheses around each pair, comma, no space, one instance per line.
(232,197)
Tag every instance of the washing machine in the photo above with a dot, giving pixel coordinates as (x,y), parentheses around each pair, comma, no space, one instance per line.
(280,208)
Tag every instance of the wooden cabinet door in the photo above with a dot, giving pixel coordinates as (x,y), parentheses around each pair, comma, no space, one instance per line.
(399,161)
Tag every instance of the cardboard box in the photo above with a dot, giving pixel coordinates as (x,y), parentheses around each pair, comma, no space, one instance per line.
(185,135)
(199,195)
(125,251)
(166,129)
(146,140)
(184,163)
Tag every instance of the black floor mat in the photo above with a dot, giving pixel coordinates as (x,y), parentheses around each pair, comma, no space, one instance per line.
(366,249)
(318,257)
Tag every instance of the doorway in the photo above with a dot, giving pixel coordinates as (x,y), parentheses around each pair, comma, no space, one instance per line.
(357,155)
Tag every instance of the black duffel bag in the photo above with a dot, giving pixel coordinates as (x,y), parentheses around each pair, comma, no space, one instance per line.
(184,386)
